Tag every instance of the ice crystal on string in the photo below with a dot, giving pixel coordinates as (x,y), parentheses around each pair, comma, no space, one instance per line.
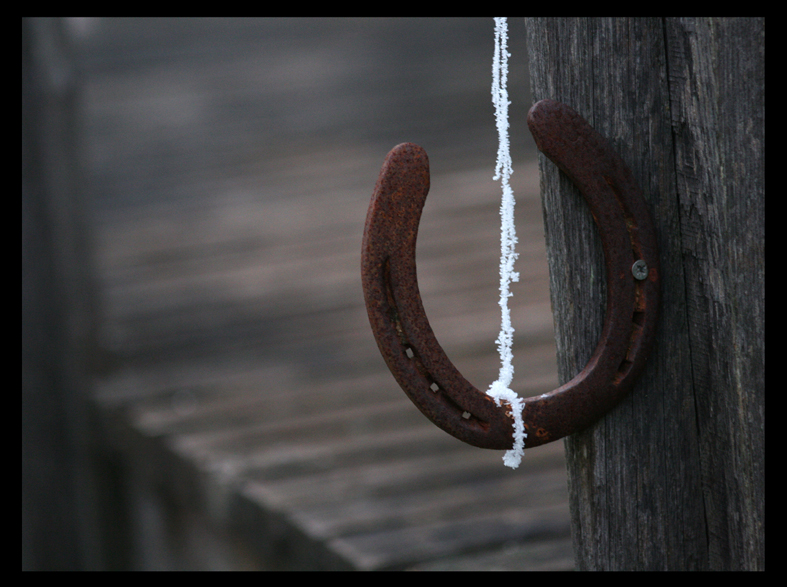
(501,390)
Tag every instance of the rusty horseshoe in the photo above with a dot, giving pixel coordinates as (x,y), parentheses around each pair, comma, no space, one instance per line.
(405,338)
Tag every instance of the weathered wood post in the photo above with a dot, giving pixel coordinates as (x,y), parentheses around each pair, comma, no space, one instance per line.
(673,478)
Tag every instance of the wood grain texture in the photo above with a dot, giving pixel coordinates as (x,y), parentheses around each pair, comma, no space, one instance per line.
(658,483)
(717,91)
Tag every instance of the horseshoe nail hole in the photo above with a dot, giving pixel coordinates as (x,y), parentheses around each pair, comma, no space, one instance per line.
(434,387)
(623,370)
(466,415)
(409,352)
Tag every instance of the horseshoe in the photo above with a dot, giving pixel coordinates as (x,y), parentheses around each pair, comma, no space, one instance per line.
(402,330)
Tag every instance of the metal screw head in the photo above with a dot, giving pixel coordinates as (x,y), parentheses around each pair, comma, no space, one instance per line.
(639,270)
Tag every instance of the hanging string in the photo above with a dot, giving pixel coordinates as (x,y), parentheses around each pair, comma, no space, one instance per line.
(501,390)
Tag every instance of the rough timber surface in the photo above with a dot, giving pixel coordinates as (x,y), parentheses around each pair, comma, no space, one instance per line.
(231,163)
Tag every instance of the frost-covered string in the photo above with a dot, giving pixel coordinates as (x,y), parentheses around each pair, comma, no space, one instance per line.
(501,390)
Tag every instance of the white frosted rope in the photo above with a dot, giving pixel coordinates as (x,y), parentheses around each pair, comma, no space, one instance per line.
(501,390)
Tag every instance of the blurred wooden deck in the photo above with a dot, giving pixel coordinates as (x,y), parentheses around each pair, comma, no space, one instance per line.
(231,164)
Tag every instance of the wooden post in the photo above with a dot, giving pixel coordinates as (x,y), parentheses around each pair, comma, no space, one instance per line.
(59,505)
(673,478)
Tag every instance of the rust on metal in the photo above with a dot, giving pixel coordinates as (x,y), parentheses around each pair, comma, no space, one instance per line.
(402,330)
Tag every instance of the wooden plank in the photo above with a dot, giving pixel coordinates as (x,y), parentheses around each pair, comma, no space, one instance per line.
(249,390)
